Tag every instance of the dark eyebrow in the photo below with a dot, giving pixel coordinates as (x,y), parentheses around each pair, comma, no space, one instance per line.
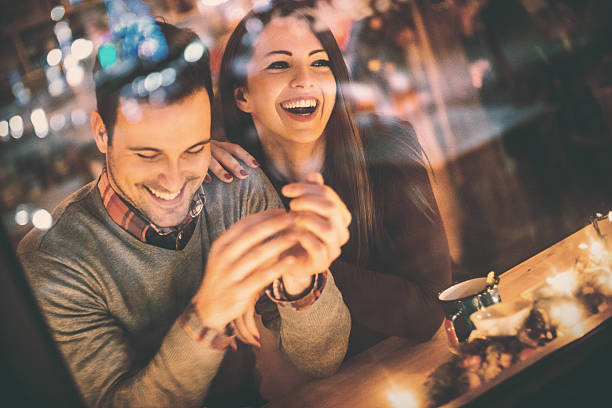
(290,54)
(152,149)
(315,52)
(278,52)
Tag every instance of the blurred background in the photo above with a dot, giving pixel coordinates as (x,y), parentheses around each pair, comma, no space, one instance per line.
(511,100)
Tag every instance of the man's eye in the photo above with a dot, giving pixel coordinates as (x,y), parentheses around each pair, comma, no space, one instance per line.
(196,150)
(278,65)
(320,63)
(147,156)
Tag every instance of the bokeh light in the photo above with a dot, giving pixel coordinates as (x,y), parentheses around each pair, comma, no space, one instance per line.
(194,51)
(70,61)
(22,216)
(57,13)
(39,121)
(131,110)
(78,117)
(41,219)
(107,54)
(63,33)
(4,129)
(75,75)
(57,122)
(54,57)
(81,48)
(16,125)
(153,81)
(56,87)
(168,76)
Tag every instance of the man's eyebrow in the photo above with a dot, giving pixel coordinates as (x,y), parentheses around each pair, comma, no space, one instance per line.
(202,143)
(152,149)
(315,52)
(140,149)
(278,52)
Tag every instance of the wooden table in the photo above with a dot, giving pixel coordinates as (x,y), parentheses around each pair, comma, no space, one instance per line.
(380,376)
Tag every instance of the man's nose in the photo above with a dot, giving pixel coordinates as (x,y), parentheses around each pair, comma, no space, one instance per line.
(171,177)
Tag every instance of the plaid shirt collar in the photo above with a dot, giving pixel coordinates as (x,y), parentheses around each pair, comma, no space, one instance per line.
(131,220)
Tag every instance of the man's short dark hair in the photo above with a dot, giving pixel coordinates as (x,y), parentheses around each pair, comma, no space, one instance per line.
(182,75)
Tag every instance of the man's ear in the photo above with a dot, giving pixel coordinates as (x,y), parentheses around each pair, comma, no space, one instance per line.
(241,96)
(99,131)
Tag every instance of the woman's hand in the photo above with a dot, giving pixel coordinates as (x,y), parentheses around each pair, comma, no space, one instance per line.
(324,219)
(223,163)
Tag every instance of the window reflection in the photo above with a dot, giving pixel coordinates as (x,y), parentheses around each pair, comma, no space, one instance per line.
(511,100)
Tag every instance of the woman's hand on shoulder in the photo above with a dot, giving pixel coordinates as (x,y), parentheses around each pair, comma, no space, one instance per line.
(224,163)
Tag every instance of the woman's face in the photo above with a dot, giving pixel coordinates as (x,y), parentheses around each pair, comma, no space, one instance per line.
(291,89)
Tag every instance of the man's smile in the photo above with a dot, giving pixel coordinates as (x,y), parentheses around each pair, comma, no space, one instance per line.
(166,197)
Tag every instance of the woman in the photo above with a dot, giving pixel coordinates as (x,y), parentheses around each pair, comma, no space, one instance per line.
(281,90)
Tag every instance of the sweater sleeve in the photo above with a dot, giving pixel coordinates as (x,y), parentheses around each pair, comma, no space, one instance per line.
(315,339)
(99,354)
(397,293)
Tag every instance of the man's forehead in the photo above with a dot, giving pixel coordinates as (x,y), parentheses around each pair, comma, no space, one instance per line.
(133,110)
(151,121)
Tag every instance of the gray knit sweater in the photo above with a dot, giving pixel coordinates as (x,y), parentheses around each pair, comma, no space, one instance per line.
(112,302)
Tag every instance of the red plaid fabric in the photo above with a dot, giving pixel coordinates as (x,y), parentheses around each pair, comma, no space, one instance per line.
(133,222)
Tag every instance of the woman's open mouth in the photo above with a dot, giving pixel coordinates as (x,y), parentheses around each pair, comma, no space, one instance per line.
(302,108)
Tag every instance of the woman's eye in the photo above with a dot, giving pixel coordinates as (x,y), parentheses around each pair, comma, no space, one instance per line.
(320,63)
(278,65)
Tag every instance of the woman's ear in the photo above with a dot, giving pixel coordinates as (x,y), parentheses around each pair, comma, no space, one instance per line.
(99,131)
(241,98)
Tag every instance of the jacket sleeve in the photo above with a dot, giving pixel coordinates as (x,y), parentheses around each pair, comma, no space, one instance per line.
(99,354)
(396,293)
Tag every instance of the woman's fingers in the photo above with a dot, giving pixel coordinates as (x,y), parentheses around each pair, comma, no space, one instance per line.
(317,251)
(218,170)
(318,198)
(334,211)
(227,160)
(323,228)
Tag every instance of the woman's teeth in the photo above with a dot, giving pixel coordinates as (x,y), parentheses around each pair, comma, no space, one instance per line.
(300,106)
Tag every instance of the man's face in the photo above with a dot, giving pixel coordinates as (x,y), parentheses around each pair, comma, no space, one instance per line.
(158,162)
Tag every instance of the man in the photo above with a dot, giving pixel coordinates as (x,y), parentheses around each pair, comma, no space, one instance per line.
(139,299)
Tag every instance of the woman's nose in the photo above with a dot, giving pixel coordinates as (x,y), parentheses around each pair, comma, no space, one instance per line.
(302,77)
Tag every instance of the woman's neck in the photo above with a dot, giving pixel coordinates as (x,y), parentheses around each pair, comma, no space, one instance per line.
(293,161)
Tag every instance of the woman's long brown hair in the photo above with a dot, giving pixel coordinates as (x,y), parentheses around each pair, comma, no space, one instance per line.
(344,167)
